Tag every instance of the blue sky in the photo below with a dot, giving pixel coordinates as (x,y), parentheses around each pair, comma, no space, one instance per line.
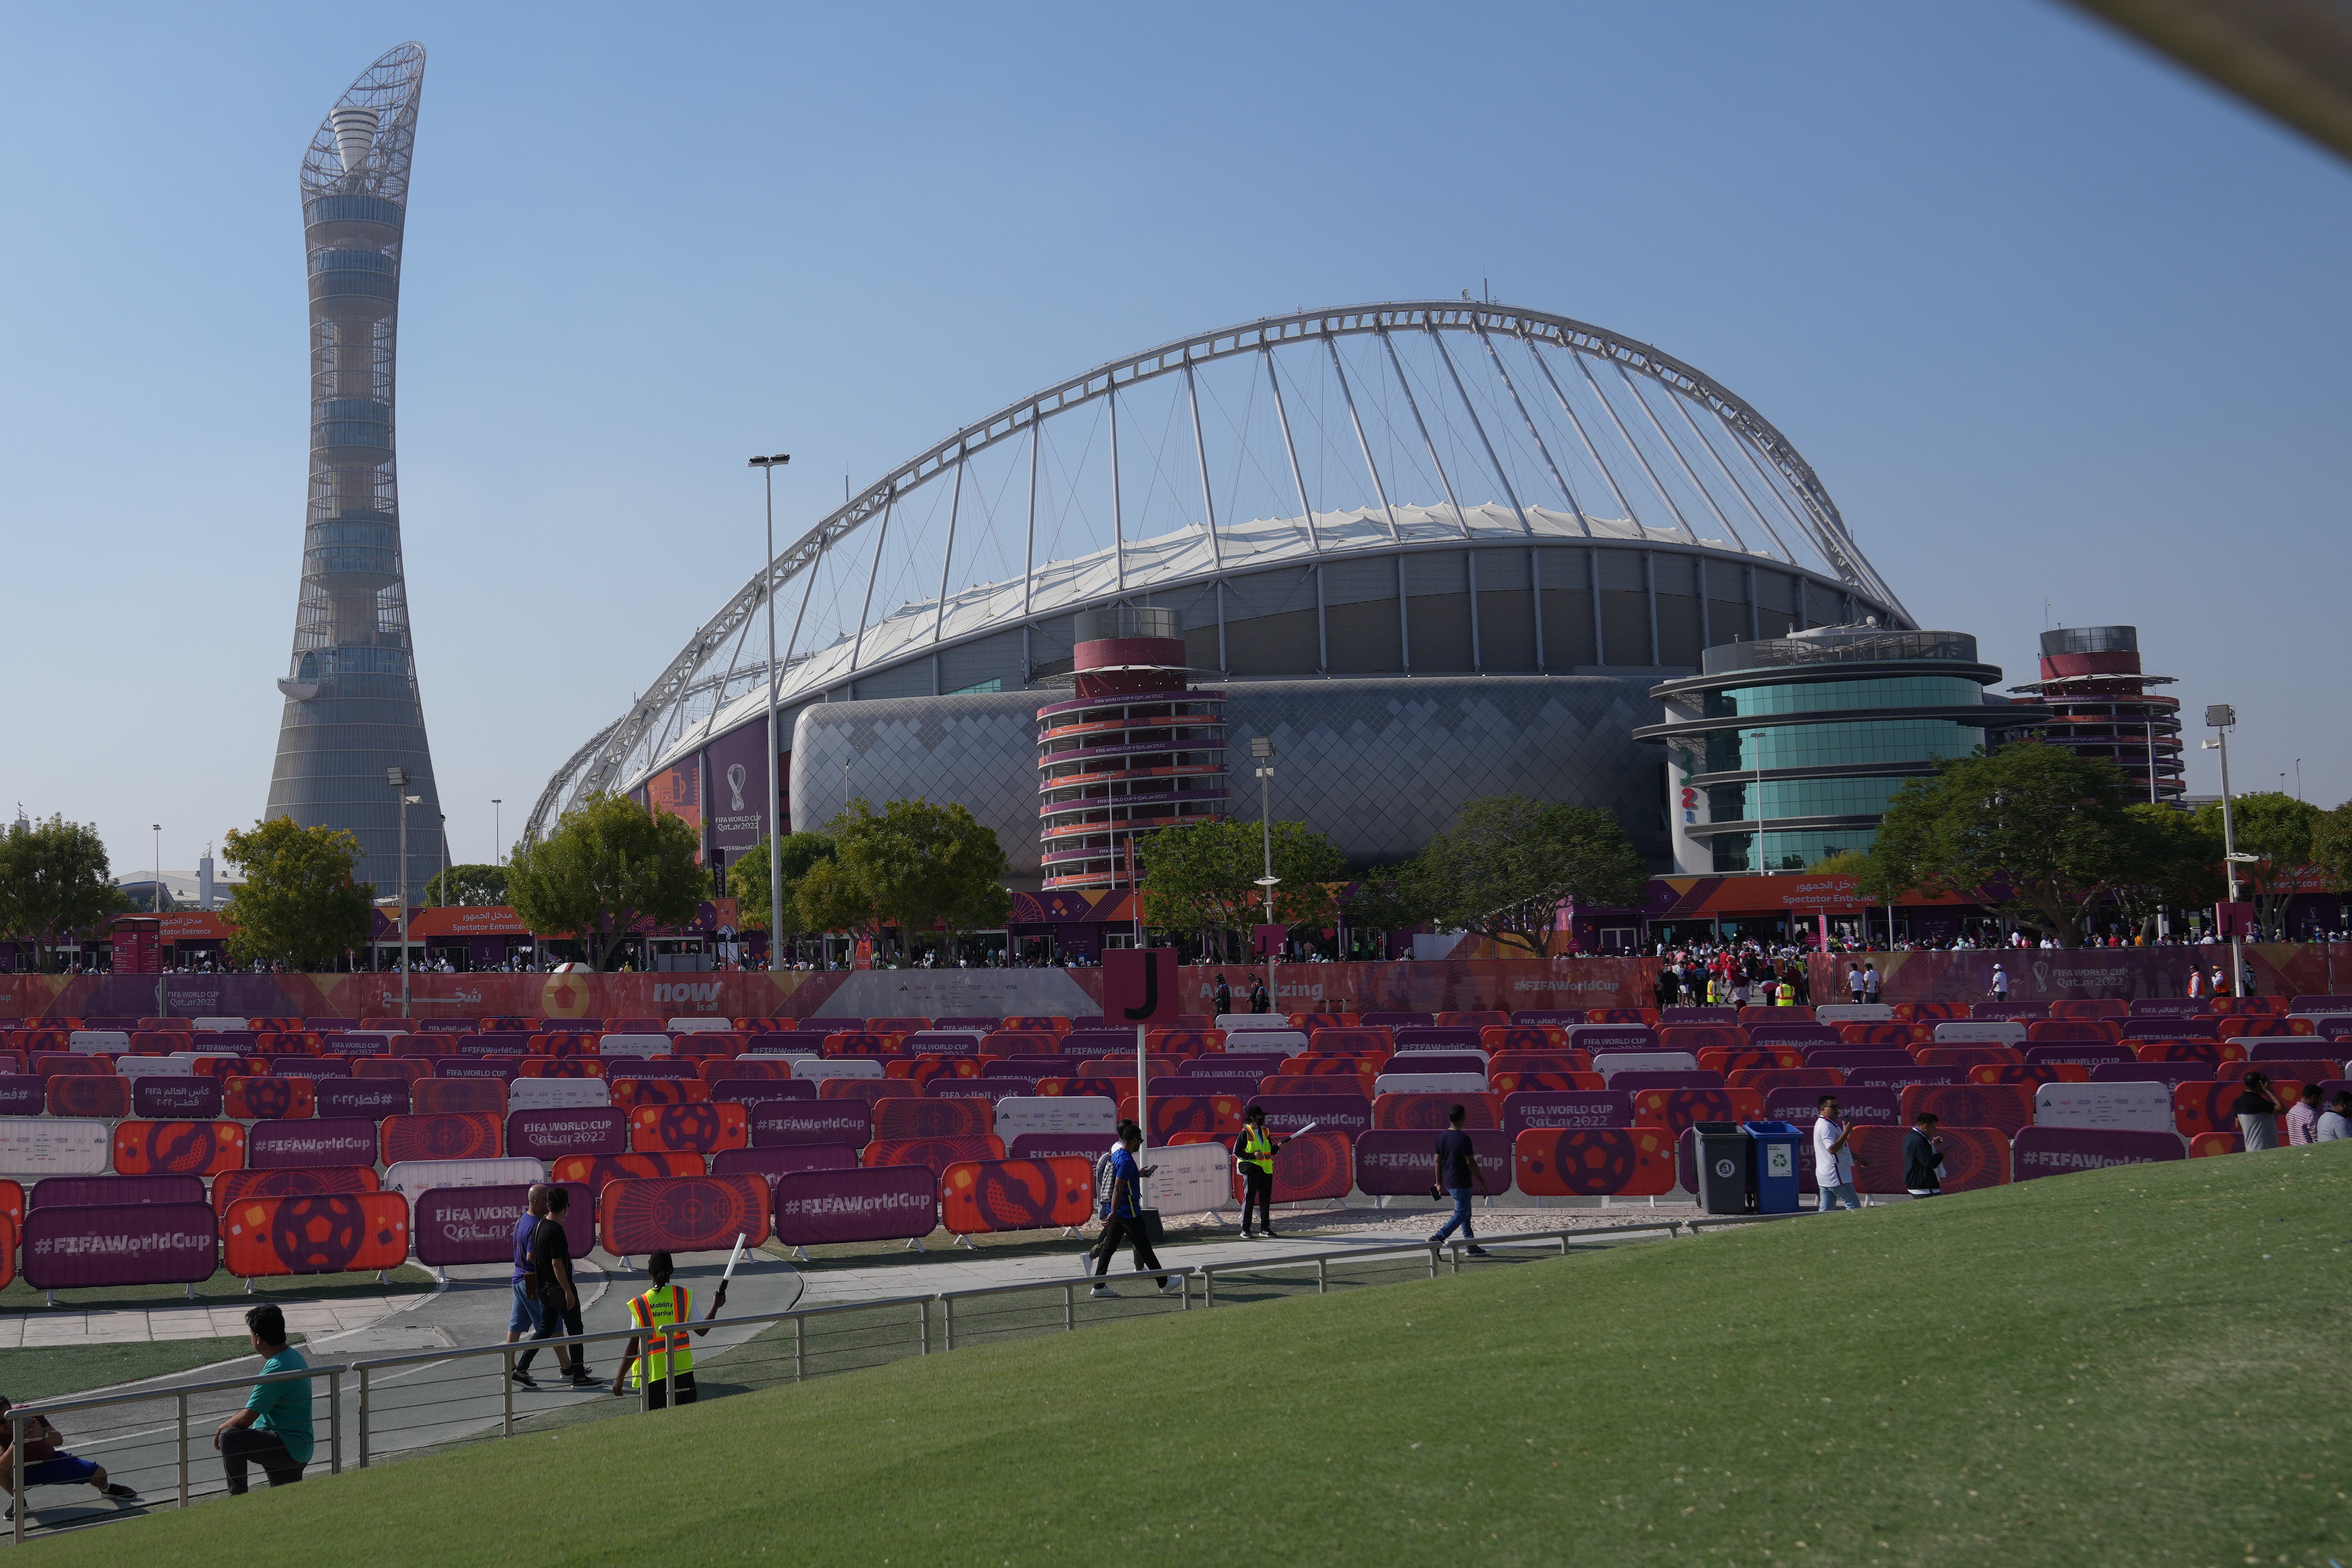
(2050,319)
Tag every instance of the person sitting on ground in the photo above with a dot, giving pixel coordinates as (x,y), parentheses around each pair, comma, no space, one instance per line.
(2302,1117)
(2336,1122)
(47,1463)
(664,1317)
(273,1431)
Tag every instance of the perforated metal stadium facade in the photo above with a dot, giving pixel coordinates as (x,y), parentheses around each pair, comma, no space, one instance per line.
(351,704)
(1481,533)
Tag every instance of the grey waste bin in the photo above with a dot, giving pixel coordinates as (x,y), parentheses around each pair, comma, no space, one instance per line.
(1776,1147)
(1723,1150)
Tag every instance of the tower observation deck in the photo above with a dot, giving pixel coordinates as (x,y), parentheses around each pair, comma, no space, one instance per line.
(2101,706)
(351,704)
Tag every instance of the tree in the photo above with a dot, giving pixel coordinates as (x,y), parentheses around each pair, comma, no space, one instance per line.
(1508,863)
(2331,846)
(298,906)
(1844,863)
(2280,830)
(2033,831)
(747,879)
(912,865)
(468,885)
(2177,865)
(1204,877)
(53,879)
(609,864)
(1387,897)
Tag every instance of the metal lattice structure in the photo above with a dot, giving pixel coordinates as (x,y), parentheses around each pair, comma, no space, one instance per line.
(1321,449)
(351,705)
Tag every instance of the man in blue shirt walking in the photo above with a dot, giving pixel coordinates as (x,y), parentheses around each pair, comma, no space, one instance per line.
(1122,1216)
(273,1431)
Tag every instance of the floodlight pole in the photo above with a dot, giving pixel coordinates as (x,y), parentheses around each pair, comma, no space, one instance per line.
(1261,748)
(2222,716)
(497,848)
(767,467)
(155,906)
(398,779)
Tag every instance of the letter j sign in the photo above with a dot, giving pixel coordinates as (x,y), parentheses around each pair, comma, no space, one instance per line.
(1140,986)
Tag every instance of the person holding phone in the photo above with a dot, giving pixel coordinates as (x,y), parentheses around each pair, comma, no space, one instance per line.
(1458,1176)
(1833,1161)
(1123,1216)
(1254,1154)
(1923,1157)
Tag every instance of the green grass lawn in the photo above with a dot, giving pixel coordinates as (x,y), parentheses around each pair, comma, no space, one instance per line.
(52,1369)
(2133,1366)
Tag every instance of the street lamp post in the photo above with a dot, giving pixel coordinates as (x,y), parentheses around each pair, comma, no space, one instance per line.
(2221,716)
(497,837)
(155,904)
(442,882)
(1262,749)
(398,779)
(768,466)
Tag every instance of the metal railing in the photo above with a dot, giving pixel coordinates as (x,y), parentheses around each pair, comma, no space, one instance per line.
(401,1405)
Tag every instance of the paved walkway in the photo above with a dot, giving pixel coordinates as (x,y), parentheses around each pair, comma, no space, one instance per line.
(202,1320)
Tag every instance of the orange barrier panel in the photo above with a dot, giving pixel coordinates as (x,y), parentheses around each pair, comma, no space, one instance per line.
(2187,1050)
(1411,1112)
(933,1118)
(628,1093)
(979,1197)
(594,1171)
(939,1154)
(473,1135)
(1675,1109)
(1594,1162)
(336,1233)
(178,1148)
(1728,1060)
(1974,1157)
(635,1216)
(2035,1073)
(2007,1106)
(456,1096)
(703,1129)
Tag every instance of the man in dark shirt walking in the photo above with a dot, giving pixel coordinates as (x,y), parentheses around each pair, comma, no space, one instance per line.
(1457,1175)
(1923,1157)
(559,1295)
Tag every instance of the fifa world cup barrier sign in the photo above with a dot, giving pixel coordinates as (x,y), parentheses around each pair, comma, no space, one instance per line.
(476,1224)
(682,1213)
(879,1203)
(120,1244)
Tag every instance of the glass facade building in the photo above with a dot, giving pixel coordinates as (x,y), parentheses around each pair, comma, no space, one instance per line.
(1786,750)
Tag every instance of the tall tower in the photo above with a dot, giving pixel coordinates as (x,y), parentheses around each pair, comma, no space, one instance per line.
(351,705)
(2101,707)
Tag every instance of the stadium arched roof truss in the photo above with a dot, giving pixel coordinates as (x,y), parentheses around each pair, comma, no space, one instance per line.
(1305,440)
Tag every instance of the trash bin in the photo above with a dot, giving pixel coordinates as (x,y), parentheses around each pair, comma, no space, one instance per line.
(1775,1148)
(1722,1167)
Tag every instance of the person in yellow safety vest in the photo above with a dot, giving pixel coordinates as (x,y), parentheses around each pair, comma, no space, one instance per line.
(1254,1154)
(664,1319)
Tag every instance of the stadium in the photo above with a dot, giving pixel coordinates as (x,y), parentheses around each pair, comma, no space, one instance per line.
(1449,544)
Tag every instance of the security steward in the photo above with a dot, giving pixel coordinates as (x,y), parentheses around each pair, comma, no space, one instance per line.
(1254,1156)
(663,1318)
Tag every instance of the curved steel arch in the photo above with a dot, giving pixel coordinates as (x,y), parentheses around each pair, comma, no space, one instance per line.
(598,763)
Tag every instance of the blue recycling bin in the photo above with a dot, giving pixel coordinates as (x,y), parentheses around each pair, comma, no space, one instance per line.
(1774,1151)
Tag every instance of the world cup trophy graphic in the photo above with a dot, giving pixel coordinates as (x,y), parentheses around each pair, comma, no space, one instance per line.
(735,771)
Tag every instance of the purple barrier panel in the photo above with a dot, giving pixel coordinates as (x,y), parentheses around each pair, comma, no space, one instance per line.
(1845,1059)
(550,1134)
(506,1070)
(1394,1020)
(343,1141)
(790,1160)
(2011,1012)
(1050,1145)
(1429,1062)
(476,1224)
(1566,1015)
(1238,1084)
(312,1068)
(1233,1064)
(1795,1035)
(2169,1007)
(618,1067)
(777,1122)
(21,1094)
(97,1192)
(1396,1163)
(943,1043)
(2081,1053)
(1801,1104)
(499,1044)
(2334,1027)
(2171,1028)
(1628,1081)
(757,1090)
(121,1244)
(161,1099)
(359,1045)
(373,1098)
(1897,1077)
(2320,1005)
(985,1025)
(1698,1015)
(1099,1042)
(2061,1151)
(810,1041)
(882,1203)
(1288,1114)
(221,1045)
(1566,1107)
(2284,1048)
(1613,1036)
(445,1025)
(2152,1072)
(1437,1038)
(988,1088)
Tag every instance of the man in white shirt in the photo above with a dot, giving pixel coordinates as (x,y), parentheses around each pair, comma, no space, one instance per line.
(1833,1160)
(2336,1122)
(2000,983)
(1853,981)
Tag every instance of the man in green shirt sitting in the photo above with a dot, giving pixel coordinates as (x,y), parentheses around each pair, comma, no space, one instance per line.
(273,1431)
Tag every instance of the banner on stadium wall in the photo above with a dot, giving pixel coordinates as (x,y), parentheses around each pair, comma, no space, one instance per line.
(474,1135)
(681,1213)
(343,1141)
(411,1177)
(156,1097)
(700,1129)
(292,1182)
(330,1232)
(2125,1107)
(1595,1161)
(551,1135)
(1974,1157)
(1394,1164)
(933,1118)
(890,1202)
(594,1171)
(2061,1151)
(178,1148)
(779,1122)
(557,1094)
(978,1196)
(476,1224)
(1188,1178)
(771,1165)
(120,1244)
